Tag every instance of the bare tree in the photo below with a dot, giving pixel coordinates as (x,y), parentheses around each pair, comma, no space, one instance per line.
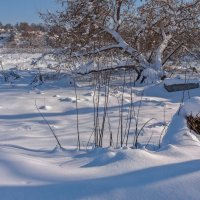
(148,34)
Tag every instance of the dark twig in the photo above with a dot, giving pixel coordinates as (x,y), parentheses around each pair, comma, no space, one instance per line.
(48,124)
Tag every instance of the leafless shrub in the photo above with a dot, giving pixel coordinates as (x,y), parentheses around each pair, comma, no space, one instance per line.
(193,123)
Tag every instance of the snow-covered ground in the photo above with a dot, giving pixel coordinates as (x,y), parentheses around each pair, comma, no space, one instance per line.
(32,167)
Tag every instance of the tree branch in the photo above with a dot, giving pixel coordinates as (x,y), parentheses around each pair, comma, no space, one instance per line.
(173,52)
(159,51)
(131,51)
(110,69)
(106,48)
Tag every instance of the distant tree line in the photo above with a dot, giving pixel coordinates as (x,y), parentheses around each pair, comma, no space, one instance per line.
(23,26)
(24,35)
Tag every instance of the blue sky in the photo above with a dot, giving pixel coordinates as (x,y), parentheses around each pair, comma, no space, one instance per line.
(13,11)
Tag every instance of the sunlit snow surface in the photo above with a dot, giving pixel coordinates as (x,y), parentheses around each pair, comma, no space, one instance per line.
(32,167)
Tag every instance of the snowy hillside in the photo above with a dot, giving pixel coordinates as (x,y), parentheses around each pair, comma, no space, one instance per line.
(33,167)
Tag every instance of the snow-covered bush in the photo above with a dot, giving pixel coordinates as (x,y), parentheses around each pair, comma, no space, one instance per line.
(194,123)
(192,111)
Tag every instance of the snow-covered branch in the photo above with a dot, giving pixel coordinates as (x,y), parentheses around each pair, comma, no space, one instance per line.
(119,67)
(127,48)
(159,51)
(96,51)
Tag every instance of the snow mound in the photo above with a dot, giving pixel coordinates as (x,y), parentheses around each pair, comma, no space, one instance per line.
(102,160)
(192,106)
(71,99)
(57,95)
(40,92)
(178,132)
(115,157)
(67,99)
(45,107)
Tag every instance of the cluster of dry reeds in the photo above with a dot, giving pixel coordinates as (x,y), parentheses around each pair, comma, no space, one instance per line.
(194,123)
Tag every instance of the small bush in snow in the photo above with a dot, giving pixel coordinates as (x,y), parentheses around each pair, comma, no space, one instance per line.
(194,123)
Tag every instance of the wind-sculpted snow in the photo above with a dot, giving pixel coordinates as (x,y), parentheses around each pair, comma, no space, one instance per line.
(33,167)
(178,132)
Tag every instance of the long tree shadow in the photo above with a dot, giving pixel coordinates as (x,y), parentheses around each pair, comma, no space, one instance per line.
(82,111)
(135,181)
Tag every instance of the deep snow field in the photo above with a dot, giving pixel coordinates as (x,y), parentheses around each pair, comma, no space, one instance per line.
(32,167)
